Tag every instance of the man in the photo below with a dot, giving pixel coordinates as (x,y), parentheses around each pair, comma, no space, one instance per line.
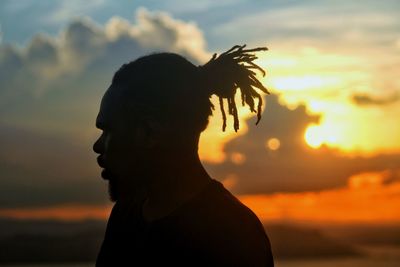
(168,210)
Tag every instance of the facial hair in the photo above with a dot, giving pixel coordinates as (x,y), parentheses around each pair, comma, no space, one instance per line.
(112,185)
(112,190)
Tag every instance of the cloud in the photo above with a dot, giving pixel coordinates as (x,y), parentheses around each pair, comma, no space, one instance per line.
(318,57)
(274,157)
(49,98)
(44,78)
(57,169)
(369,100)
(368,197)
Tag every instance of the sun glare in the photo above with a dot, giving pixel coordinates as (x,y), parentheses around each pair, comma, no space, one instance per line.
(313,136)
(316,135)
(326,84)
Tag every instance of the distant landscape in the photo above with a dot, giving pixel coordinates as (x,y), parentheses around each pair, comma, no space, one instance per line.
(51,241)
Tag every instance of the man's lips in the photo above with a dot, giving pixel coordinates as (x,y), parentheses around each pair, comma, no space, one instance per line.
(100,162)
(104,172)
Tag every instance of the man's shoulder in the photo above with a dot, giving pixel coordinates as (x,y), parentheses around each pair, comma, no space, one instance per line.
(228,227)
(233,216)
(219,204)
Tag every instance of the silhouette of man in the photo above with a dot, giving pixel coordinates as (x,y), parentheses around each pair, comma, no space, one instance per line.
(168,211)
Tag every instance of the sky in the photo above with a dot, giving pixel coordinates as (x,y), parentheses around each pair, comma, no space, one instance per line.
(328,145)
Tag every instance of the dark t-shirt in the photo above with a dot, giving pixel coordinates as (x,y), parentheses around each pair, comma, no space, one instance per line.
(211,229)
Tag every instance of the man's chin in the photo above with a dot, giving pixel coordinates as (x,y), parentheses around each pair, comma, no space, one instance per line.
(112,186)
(112,191)
(105,174)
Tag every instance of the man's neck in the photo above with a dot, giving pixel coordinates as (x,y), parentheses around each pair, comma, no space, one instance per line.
(176,182)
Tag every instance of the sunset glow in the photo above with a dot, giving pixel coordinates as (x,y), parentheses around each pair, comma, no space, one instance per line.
(318,79)
(63,213)
(368,198)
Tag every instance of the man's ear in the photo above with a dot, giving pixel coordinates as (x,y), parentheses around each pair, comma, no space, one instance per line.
(150,132)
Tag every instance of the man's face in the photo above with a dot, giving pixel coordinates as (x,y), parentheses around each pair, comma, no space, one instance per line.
(118,146)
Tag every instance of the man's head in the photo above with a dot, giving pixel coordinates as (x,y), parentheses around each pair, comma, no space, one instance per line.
(158,105)
(146,113)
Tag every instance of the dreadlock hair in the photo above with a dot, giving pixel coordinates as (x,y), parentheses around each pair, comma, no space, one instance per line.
(172,88)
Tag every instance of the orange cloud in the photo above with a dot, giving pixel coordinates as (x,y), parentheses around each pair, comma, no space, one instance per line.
(64,212)
(371,197)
